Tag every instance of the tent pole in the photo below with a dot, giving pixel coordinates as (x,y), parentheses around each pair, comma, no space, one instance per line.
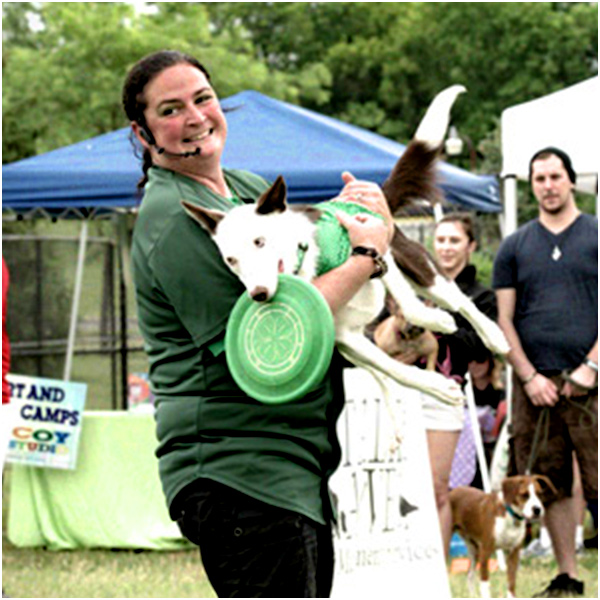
(76,296)
(510,205)
(124,283)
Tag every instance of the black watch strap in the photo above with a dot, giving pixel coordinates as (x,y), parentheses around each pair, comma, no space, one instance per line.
(380,264)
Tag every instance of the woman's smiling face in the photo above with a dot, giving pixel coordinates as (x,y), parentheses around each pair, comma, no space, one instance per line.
(452,247)
(184,114)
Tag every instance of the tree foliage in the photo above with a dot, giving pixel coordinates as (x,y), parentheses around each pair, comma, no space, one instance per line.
(387,60)
(375,64)
(62,83)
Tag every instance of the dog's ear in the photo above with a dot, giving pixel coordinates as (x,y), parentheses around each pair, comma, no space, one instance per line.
(209,219)
(545,480)
(510,487)
(274,199)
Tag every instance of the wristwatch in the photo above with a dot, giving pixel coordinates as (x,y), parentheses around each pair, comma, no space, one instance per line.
(590,363)
(380,264)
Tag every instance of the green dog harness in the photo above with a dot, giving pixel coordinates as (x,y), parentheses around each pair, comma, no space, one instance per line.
(332,236)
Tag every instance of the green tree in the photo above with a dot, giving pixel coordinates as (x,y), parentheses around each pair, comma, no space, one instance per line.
(386,61)
(62,82)
(504,53)
(375,64)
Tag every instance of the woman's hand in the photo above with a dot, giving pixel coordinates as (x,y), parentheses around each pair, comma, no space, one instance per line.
(365,230)
(370,195)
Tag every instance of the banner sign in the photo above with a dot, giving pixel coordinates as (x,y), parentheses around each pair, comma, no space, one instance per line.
(387,540)
(48,419)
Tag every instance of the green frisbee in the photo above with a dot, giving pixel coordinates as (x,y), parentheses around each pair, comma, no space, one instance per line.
(278,351)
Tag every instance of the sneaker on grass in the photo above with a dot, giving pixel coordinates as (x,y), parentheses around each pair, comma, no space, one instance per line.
(562,586)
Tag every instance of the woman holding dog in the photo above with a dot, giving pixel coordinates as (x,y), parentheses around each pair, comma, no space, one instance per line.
(247,482)
(454,241)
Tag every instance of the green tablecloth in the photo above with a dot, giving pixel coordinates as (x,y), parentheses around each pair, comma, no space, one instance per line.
(112,500)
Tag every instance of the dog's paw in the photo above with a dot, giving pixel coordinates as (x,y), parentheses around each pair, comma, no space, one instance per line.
(446,322)
(500,346)
(445,390)
(434,319)
(495,340)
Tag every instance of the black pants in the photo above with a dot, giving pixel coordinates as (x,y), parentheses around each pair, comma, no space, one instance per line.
(250,549)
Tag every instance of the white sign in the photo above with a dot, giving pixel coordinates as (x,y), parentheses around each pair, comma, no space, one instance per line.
(47,425)
(388,540)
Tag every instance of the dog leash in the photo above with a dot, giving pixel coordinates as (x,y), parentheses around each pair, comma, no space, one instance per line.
(542,428)
(543,422)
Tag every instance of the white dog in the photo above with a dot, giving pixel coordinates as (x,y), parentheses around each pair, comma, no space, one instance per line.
(261,240)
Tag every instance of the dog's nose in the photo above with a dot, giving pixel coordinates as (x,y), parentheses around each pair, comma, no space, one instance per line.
(260,294)
(537,511)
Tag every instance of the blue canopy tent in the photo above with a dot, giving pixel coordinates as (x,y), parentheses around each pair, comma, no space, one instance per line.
(269,137)
(266,136)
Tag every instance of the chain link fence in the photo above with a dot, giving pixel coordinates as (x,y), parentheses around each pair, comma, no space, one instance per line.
(107,341)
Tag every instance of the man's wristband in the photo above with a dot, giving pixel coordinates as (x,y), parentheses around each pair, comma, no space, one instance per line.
(380,265)
(590,363)
(529,379)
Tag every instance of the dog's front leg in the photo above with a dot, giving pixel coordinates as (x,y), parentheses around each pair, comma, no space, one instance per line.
(360,351)
(447,294)
(512,564)
(484,571)
(415,311)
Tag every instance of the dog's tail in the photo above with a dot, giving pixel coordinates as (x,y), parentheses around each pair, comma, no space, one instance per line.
(413,177)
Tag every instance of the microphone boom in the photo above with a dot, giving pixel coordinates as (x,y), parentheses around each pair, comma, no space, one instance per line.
(166,152)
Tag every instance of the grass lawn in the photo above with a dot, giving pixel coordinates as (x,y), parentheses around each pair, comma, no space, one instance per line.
(37,573)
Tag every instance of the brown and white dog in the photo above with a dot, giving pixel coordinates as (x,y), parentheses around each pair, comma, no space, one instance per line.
(497,521)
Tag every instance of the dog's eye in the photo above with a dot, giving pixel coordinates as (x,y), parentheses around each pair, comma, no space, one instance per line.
(231,261)
(259,242)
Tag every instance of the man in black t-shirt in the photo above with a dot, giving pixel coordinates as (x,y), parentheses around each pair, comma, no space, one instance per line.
(546,282)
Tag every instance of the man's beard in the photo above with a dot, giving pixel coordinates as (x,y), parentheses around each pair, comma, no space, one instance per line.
(554,209)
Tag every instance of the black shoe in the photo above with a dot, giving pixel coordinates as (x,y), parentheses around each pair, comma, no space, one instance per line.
(562,586)
(591,543)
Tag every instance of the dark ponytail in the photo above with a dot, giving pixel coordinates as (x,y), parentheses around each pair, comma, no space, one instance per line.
(146,164)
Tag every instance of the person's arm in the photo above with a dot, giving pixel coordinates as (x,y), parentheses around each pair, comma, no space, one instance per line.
(540,389)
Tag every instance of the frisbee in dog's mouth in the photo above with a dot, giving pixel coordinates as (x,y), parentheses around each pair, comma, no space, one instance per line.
(280,350)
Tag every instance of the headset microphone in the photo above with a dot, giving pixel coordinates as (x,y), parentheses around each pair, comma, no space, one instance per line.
(146,134)
(164,151)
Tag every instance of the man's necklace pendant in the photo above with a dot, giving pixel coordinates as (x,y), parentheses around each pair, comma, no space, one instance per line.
(556,253)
